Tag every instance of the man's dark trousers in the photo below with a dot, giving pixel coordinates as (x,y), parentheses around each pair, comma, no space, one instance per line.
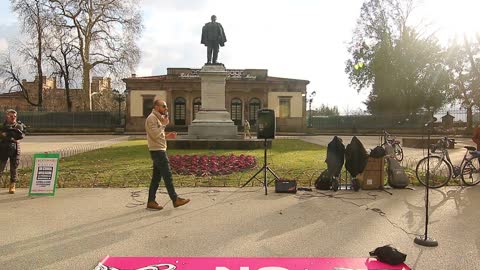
(14,162)
(161,169)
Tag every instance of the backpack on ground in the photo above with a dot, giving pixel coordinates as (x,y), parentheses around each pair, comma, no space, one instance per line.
(389,254)
(324,181)
(397,178)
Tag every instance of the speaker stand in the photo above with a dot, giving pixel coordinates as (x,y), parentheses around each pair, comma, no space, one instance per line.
(264,168)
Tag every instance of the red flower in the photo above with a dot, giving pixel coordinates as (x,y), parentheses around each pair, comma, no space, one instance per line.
(210,165)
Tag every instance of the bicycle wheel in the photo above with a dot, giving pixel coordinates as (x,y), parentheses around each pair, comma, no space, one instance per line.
(440,172)
(471,171)
(398,152)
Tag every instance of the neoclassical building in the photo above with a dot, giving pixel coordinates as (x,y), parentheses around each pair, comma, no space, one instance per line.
(247,91)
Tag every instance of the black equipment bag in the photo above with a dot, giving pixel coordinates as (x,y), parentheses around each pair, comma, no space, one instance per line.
(397,177)
(356,157)
(378,152)
(285,186)
(335,156)
(324,181)
(388,254)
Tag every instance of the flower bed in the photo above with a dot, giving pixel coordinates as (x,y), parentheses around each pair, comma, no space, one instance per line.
(210,165)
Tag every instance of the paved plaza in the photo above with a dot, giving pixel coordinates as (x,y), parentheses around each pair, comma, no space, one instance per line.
(79,227)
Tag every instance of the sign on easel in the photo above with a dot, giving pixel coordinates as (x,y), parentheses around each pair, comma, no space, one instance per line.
(44,177)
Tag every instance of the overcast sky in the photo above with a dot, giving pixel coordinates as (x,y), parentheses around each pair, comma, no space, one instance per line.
(299,39)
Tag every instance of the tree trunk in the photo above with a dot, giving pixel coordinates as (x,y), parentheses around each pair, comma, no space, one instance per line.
(39,56)
(67,92)
(85,53)
(469,118)
(86,87)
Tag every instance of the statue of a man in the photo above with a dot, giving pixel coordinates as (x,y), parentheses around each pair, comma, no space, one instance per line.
(213,37)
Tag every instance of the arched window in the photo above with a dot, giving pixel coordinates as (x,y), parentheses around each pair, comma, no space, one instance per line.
(180,111)
(236,111)
(197,104)
(253,108)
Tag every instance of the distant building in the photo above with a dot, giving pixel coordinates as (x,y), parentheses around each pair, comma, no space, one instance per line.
(54,98)
(247,91)
(447,120)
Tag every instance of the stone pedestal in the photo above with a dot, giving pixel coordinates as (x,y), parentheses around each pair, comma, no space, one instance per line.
(213,121)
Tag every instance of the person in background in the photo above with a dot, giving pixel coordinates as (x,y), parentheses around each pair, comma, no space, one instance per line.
(11,132)
(157,145)
(246,129)
(476,136)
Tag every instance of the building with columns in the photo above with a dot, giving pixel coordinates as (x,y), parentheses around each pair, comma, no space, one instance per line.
(247,91)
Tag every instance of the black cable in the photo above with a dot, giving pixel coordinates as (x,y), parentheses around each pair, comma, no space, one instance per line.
(137,193)
(349,200)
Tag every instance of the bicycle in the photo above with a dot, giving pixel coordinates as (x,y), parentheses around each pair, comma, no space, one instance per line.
(394,143)
(441,167)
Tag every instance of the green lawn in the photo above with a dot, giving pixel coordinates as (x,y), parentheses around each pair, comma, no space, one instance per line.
(128,164)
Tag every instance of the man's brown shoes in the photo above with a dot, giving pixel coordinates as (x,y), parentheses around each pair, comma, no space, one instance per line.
(11,190)
(179,202)
(154,205)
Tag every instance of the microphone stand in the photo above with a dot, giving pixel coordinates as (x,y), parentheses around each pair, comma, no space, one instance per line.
(425,240)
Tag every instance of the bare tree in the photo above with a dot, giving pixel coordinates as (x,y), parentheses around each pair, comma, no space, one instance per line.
(33,16)
(12,74)
(64,58)
(106,32)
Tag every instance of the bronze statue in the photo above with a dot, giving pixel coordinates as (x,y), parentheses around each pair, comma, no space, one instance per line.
(213,37)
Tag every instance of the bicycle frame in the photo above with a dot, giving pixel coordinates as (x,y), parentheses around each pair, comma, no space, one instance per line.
(443,162)
(389,139)
(444,155)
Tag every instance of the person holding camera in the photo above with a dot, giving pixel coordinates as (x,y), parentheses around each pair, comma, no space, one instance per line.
(11,132)
(157,145)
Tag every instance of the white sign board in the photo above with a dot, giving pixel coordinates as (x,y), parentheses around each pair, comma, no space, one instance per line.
(44,176)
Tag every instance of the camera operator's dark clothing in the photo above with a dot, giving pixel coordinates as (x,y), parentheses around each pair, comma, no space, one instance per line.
(10,148)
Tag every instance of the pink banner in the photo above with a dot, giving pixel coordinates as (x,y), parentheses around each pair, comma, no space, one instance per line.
(218,263)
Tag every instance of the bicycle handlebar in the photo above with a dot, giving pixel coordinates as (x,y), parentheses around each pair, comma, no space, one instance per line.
(443,143)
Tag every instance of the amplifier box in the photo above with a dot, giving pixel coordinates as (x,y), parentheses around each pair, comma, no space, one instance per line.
(285,186)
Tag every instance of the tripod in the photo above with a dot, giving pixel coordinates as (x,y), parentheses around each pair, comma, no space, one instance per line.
(265,168)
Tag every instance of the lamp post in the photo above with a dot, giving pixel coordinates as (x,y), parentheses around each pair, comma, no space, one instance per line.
(310,100)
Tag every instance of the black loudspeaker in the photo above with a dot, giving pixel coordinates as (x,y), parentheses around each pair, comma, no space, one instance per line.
(266,124)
